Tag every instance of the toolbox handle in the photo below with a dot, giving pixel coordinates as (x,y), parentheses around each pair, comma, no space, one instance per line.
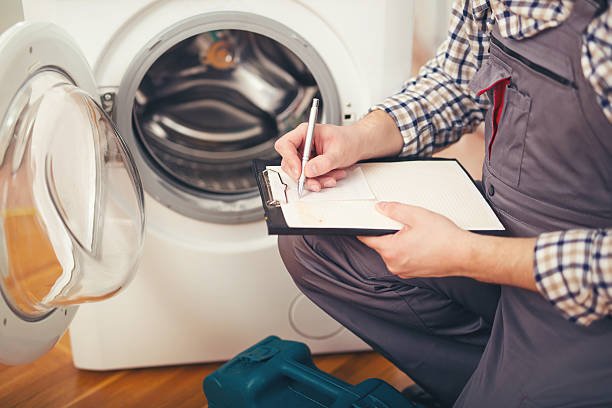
(317,379)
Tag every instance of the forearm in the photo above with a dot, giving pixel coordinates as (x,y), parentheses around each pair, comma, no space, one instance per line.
(570,269)
(431,111)
(503,261)
(377,135)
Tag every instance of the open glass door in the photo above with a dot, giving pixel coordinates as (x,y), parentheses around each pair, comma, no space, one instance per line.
(71,202)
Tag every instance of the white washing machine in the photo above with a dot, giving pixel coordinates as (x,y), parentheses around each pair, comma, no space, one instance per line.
(197,89)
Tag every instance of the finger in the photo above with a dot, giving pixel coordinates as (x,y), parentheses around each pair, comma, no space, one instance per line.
(290,163)
(295,137)
(320,165)
(288,147)
(404,213)
(330,179)
(377,243)
(327,181)
(287,169)
(337,174)
(313,185)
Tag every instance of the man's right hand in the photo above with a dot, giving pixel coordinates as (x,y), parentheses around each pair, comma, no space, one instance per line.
(338,147)
(334,149)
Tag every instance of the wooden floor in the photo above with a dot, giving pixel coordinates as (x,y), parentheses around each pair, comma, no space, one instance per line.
(53,381)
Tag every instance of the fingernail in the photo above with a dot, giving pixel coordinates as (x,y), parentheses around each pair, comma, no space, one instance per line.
(294,172)
(313,169)
(381,205)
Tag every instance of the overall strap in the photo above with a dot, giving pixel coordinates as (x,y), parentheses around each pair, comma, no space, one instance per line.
(583,13)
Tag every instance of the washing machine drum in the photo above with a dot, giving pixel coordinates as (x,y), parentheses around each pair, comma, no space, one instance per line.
(217,100)
(71,203)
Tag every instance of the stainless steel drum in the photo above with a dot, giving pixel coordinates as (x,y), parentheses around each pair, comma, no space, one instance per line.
(212,101)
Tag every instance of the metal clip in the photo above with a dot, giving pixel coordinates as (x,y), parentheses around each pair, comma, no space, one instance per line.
(271,201)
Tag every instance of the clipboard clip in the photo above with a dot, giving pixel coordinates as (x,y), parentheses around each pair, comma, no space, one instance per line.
(274,183)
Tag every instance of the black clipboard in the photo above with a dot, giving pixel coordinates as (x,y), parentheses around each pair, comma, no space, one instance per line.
(275,219)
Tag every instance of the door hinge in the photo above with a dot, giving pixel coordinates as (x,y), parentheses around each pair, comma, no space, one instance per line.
(108,102)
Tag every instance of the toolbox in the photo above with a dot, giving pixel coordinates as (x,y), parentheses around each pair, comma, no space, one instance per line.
(280,373)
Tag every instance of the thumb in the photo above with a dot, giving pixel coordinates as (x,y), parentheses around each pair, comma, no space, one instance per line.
(377,243)
(404,213)
(320,165)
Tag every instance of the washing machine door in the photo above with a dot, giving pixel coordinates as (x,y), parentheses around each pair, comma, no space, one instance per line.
(71,202)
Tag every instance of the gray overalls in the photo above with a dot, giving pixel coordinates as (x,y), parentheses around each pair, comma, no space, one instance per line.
(548,167)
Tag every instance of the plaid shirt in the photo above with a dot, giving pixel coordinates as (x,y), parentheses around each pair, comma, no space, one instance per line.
(573,269)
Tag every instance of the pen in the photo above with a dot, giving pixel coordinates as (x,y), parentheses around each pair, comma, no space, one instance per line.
(308,143)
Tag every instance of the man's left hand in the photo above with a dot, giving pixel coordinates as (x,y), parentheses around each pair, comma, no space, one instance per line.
(429,244)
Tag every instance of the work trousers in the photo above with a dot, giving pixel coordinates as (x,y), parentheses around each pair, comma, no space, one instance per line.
(436,330)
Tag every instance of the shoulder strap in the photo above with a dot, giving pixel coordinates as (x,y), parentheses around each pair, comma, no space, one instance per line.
(584,11)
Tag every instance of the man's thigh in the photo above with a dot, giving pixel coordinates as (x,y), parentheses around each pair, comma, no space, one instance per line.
(347,270)
(435,330)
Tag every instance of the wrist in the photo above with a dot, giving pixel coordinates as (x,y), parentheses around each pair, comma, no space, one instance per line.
(377,136)
(503,261)
(465,255)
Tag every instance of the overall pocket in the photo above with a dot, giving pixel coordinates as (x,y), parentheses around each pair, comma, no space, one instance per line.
(506,149)
(505,122)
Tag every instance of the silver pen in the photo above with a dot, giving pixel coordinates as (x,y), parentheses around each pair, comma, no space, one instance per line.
(308,143)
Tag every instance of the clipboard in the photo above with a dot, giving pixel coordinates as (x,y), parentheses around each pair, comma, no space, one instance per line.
(268,181)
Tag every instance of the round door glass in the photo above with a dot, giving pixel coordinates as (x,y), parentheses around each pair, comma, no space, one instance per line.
(215,101)
(71,203)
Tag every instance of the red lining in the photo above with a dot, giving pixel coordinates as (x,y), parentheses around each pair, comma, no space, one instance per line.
(499,92)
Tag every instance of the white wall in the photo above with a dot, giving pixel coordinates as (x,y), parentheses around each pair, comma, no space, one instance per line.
(431,22)
(10,13)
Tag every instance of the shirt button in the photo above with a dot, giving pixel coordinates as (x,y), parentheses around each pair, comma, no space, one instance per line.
(491,190)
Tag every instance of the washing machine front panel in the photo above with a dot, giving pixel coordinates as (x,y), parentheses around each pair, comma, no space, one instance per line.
(206,97)
(71,203)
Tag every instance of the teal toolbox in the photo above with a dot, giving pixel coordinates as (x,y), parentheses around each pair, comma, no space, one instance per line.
(277,373)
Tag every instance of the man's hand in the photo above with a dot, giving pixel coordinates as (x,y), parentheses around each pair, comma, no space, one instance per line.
(429,245)
(334,151)
(338,147)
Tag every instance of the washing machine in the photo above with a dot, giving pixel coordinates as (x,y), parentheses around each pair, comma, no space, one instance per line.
(197,89)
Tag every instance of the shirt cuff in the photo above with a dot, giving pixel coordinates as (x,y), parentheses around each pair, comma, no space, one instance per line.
(566,273)
(406,125)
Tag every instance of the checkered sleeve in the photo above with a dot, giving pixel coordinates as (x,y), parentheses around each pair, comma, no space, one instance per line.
(573,270)
(436,107)
(596,59)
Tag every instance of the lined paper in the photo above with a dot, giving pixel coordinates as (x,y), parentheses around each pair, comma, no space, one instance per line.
(440,186)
